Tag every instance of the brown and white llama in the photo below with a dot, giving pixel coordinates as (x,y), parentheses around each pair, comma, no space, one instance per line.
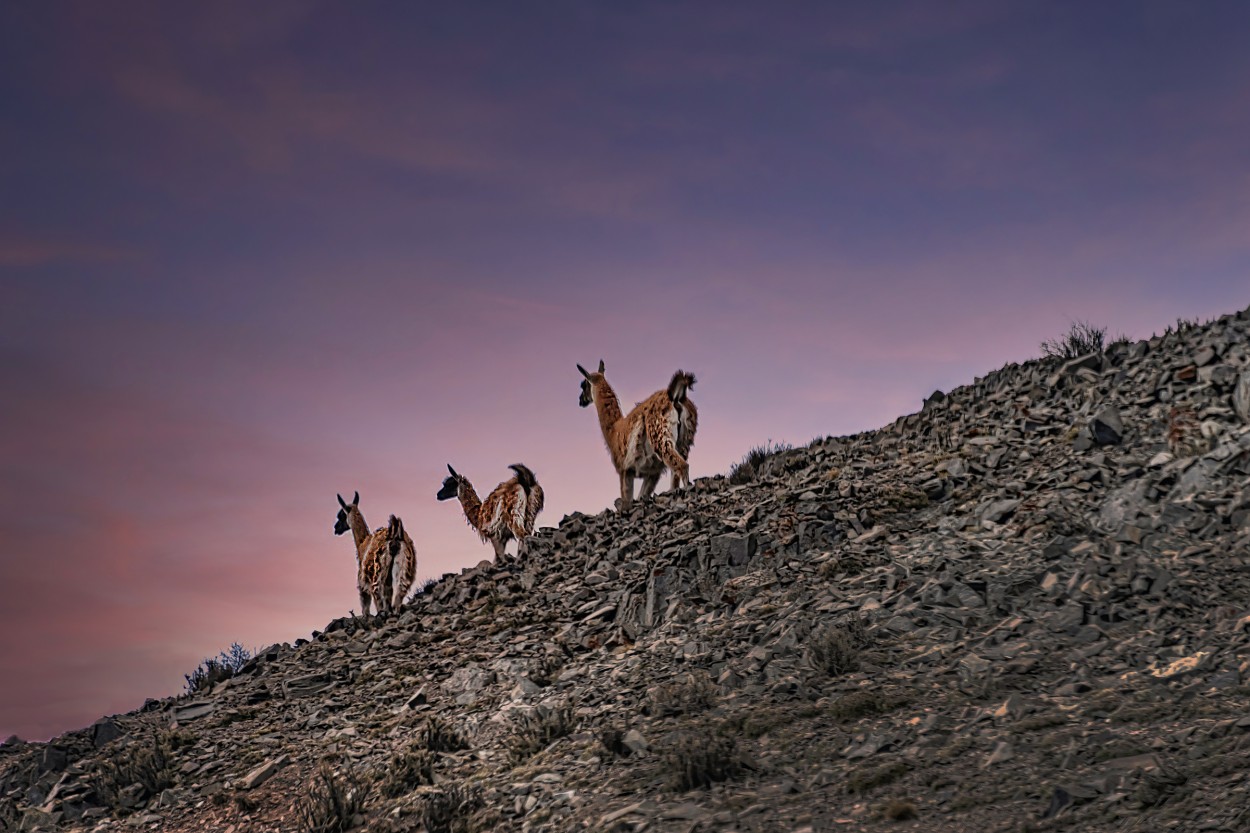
(386,559)
(508,512)
(656,435)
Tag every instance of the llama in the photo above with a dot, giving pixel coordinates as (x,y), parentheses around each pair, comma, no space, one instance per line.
(657,434)
(403,555)
(508,512)
(386,559)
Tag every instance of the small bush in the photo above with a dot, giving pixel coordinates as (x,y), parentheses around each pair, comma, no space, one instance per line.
(692,693)
(331,803)
(898,810)
(439,736)
(835,650)
(1158,786)
(867,778)
(753,464)
(534,731)
(8,815)
(1081,339)
(135,772)
(245,803)
(217,669)
(699,759)
(450,810)
(426,586)
(857,704)
(545,670)
(612,742)
(410,767)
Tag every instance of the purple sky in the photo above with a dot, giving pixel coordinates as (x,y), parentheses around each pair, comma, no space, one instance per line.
(254,254)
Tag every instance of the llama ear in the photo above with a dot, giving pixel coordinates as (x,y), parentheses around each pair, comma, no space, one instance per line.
(601,365)
(356,500)
(453,471)
(342,502)
(583,371)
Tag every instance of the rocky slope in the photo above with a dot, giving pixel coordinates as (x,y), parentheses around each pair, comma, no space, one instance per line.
(1026,607)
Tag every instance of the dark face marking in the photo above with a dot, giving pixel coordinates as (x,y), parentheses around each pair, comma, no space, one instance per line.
(586,398)
(340,524)
(451,487)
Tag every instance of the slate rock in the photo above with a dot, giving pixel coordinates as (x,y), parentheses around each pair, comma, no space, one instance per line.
(1107,428)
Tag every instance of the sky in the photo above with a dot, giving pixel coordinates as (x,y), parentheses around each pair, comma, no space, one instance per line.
(256,254)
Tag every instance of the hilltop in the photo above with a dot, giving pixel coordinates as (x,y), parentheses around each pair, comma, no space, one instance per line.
(1025,607)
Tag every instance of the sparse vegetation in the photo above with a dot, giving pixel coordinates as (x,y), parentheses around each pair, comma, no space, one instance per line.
(217,669)
(332,802)
(696,759)
(754,464)
(898,810)
(439,736)
(612,742)
(409,768)
(858,704)
(245,803)
(544,670)
(835,650)
(534,731)
(425,587)
(689,694)
(1081,339)
(1158,786)
(870,777)
(449,810)
(135,772)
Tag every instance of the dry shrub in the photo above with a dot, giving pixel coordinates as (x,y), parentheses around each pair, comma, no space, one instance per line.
(331,803)
(696,759)
(437,735)
(689,694)
(533,731)
(833,651)
(612,742)
(449,810)
(136,771)
(754,464)
(898,810)
(409,768)
(1081,339)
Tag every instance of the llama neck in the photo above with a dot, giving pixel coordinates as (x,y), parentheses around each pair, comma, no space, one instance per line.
(471,503)
(360,530)
(608,408)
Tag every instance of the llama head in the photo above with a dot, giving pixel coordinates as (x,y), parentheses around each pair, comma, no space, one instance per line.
(342,523)
(451,485)
(588,384)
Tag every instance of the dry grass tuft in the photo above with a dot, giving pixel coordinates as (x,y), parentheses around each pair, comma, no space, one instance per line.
(332,802)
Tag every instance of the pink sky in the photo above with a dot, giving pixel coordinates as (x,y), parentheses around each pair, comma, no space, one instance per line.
(249,262)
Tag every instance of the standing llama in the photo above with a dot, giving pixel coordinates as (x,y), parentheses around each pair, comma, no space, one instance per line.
(386,560)
(657,434)
(508,512)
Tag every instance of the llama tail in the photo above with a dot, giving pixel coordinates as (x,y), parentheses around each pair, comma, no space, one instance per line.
(524,476)
(395,534)
(679,386)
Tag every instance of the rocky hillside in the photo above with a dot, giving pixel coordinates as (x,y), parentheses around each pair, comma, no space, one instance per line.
(1025,607)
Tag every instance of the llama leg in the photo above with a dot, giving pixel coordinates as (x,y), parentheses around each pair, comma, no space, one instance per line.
(499,543)
(648,486)
(627,491)
(400,579)
(675,462)
(364,603)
